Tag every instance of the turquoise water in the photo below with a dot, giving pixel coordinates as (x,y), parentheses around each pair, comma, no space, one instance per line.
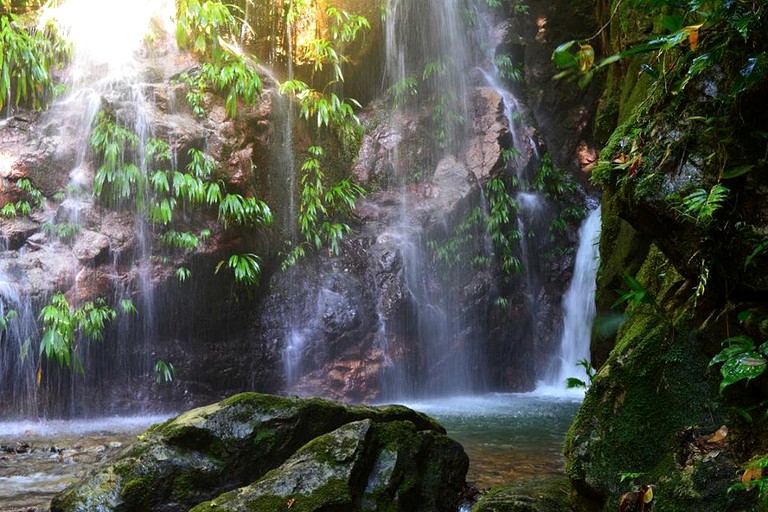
(507,436)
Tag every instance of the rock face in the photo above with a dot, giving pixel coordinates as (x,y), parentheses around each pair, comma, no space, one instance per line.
(655,409)
(257,452)
(76,244)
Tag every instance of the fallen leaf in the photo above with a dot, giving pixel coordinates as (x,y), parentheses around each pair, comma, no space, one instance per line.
(751,474)
(648,495)
(718,436)
(290,502)
(693,39)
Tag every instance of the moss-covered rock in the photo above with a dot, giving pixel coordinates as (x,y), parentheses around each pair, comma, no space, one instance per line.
(536,495)
(275,449)
(653,407)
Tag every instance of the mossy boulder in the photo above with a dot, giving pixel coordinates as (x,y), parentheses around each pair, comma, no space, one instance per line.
(314,452)
(654,409)
(534,495)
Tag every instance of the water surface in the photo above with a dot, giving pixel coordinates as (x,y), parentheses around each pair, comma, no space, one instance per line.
(39,458)
(507,436)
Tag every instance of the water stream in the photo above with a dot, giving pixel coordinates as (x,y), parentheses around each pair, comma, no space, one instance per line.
(39,458)
(579,307)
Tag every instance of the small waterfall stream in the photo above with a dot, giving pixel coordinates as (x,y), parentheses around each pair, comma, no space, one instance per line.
(578,307)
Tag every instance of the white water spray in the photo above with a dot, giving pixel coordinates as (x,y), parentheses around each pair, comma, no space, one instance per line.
(579,307)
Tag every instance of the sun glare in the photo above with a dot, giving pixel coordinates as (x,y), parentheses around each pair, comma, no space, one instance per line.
(107,32)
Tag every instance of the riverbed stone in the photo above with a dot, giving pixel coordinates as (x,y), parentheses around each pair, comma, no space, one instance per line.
(252,450)
(547,494)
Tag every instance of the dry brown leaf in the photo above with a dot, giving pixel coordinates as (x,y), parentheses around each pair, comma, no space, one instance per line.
(693,39)
(718,436)
(751,474)
(585,57)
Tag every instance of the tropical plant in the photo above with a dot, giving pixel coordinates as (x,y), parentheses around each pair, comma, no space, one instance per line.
(322,209)
(500,225)
(161,193)
(725,26)
(64,326)
(209,29)
(244,267)
(743,360)
(573,382)
(26,61)
(164,371)
(64,231)
(34,200)
(701,205)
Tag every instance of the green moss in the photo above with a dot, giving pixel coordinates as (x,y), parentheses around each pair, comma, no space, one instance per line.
(653,387)
(266,403)
(138,493)
(536,495)
(334,495)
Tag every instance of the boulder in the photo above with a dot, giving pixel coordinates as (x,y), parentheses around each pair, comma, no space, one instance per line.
(548,494)
(260,452)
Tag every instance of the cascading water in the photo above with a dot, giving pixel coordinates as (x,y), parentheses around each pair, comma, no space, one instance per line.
(427,39)
(579,307)
(17,366)
(104,71)
(533,208)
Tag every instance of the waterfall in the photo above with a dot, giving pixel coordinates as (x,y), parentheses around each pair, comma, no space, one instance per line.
(427,39)
(107,37)
(579,306)
(17,354)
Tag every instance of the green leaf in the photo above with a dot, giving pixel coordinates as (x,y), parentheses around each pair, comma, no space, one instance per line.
(562,56)
(572,382)
(753,73)
(735,172)
(747,367)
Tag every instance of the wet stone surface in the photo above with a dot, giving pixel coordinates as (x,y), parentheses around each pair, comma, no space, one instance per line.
(37,460)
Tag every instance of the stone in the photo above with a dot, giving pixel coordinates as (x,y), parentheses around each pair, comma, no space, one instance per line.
(535,495)
(254,451)
(91,247)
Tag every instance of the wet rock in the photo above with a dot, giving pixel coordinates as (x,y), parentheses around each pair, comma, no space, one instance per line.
(491,133)
(91,247)
(309,452)
(536,495)
(17,231)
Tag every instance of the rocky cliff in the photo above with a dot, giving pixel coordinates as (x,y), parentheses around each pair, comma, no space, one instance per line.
(687,261)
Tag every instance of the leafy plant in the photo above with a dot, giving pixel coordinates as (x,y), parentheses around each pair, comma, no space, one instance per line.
(34,200)
(450,251)
(117,178)
(573,382)
(245,268)
(701,205)
(64,231)
(637,295)
(501,227)
(741,360)
(401,90)
(754,478)
(164,371)
(322,208)
(507,68)
(64,326)
(183,274)
(551,181)
(27,59)
(726,25)
(6,318)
